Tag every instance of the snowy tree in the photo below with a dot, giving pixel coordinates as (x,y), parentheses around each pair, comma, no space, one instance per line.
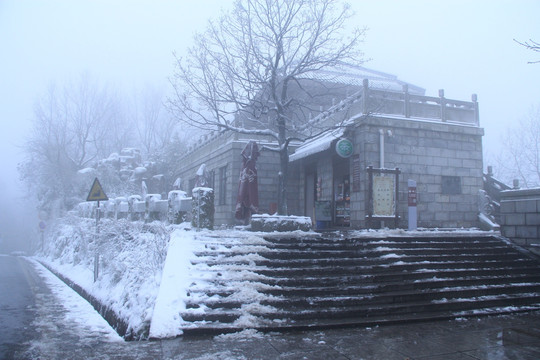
(520,152)
(247,72)
(72,128)
(154,125)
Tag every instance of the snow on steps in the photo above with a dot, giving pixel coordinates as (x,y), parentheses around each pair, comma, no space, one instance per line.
(278,283)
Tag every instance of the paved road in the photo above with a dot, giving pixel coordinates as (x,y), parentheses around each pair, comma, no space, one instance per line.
(17,305)
(35,324)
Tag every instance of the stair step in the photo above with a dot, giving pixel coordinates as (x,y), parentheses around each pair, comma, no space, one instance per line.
(395,267)
(401,286)
(348,246)
(315,324)
(392,296)
(320,281)
(389,278)
(381,260)
(374,242)
(457,306)
(454,304)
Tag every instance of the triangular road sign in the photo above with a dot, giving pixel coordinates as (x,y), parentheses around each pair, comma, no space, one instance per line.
(96,192)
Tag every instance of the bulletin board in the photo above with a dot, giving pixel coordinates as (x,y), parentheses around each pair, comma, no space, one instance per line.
(383,190)
(384,202)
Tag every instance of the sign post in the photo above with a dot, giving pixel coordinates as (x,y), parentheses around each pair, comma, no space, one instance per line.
(96,194)
(412,200)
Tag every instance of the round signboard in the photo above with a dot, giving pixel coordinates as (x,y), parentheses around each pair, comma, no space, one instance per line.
(344,148)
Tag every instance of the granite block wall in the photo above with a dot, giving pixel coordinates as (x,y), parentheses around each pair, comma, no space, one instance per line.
(520,216)
(444,159)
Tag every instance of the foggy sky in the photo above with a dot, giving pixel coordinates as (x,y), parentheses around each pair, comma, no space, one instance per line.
(462,46)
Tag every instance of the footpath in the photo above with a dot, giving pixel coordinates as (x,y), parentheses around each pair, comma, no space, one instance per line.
(491,338)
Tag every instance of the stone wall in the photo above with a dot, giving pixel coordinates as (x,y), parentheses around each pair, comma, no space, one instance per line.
(520,216)
(216,153)
(444,159)
(224,151)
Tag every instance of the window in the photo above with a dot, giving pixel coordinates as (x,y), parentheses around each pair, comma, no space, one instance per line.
(222,194)
(451,185)
(211,177)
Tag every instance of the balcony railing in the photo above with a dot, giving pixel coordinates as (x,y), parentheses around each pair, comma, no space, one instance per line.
(404,104)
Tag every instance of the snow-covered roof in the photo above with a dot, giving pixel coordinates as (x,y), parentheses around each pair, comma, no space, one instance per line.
(354,75)
(317,144)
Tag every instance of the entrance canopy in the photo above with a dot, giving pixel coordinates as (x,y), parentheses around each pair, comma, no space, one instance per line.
(317,144)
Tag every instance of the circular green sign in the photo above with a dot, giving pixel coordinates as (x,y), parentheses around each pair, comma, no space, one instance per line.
(344,148)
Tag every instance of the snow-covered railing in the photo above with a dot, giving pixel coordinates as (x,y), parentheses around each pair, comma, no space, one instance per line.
(174,209)
(376,100)
(402,103)
(421,106)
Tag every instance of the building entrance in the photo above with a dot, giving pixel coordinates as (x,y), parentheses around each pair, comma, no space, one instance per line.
(311,195)
(342,193)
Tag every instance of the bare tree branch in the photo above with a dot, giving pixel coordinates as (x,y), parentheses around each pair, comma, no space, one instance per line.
(249,72)
(531,45)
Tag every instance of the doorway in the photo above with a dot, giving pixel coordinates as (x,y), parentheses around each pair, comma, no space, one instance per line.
(342,193)
(311,194)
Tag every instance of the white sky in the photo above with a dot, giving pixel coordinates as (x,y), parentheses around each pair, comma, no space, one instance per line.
(461,46)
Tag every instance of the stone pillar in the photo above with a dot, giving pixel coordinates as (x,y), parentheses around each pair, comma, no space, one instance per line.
(406,100)
(443,105)
(474,99)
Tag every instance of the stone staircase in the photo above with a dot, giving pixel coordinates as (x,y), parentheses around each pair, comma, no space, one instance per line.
(318,282)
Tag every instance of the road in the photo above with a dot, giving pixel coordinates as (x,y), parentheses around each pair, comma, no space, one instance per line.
(17,305)
(42,318)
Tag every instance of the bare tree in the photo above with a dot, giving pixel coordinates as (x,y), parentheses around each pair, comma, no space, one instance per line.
(96,124)
(72,128)
(531,45)
(520,153)
(155,126)
(246,72)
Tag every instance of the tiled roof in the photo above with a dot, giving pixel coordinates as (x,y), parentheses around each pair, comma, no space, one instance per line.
(354,75)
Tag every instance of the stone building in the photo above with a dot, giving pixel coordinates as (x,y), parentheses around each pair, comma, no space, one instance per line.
(385,124)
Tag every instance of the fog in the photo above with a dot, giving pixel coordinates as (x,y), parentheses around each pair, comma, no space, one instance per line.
(464,47)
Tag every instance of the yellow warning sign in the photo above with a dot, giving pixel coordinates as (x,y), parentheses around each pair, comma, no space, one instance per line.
(96,192)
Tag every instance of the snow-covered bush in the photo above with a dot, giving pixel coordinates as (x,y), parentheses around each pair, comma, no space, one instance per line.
(203,208)
(132,255)
(179,205)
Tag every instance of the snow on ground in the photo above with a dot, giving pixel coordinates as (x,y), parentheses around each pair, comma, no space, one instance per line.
(166,320)
(130,266)
(149,271)
(77,309)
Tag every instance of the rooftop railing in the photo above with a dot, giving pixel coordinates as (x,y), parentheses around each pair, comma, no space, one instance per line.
(420,106)
(369,100)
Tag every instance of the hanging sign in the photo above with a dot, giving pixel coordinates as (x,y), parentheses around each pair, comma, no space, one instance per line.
(412,200)
(344,148)
(356,173)
(96,192)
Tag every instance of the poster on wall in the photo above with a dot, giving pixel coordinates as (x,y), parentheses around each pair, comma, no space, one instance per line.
(383,196)
(323,210)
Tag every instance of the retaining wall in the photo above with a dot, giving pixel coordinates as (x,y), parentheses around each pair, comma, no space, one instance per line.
(520,216)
